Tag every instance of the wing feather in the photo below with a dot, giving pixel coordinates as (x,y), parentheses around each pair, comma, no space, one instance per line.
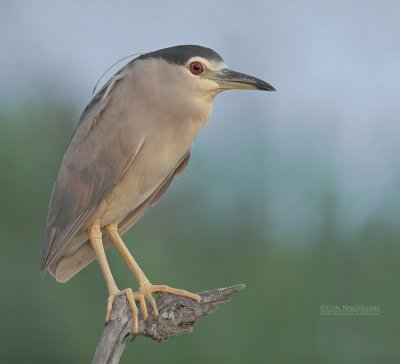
(67,267)
(87,171)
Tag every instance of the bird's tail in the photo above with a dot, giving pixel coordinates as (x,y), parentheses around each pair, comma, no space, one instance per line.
(65,268)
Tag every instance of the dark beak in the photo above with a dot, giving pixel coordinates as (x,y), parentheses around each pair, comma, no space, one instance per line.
(230,80)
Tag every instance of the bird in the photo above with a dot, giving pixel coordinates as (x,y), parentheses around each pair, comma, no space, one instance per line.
(132,140)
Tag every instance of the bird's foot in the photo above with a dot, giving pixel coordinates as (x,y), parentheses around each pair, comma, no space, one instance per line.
(147,289)
(132,297)
(145,292)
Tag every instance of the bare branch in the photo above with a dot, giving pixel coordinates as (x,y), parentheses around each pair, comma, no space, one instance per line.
(177,315)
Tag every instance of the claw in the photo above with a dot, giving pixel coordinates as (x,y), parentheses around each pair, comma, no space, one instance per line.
(176,291)
(147,289)
(132,303)
(145,293)
(152,301)
(132,298)
(143,308)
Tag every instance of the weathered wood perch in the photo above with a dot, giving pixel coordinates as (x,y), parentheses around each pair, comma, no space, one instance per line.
(177,315)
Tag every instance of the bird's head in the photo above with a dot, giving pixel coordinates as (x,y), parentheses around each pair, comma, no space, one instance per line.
(192,70)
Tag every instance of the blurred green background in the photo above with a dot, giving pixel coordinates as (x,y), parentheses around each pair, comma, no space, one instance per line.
(295,193)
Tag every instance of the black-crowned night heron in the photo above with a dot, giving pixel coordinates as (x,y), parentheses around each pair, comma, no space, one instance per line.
(131,141)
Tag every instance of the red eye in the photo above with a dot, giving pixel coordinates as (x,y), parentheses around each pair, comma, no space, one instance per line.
(196,68)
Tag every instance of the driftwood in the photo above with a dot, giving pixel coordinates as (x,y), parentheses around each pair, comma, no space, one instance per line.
(177,315)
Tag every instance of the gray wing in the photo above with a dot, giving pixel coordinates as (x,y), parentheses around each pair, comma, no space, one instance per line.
(67,267)
(88,171)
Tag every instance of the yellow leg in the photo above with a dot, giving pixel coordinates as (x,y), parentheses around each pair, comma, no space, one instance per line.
(145,287)
(113,291)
